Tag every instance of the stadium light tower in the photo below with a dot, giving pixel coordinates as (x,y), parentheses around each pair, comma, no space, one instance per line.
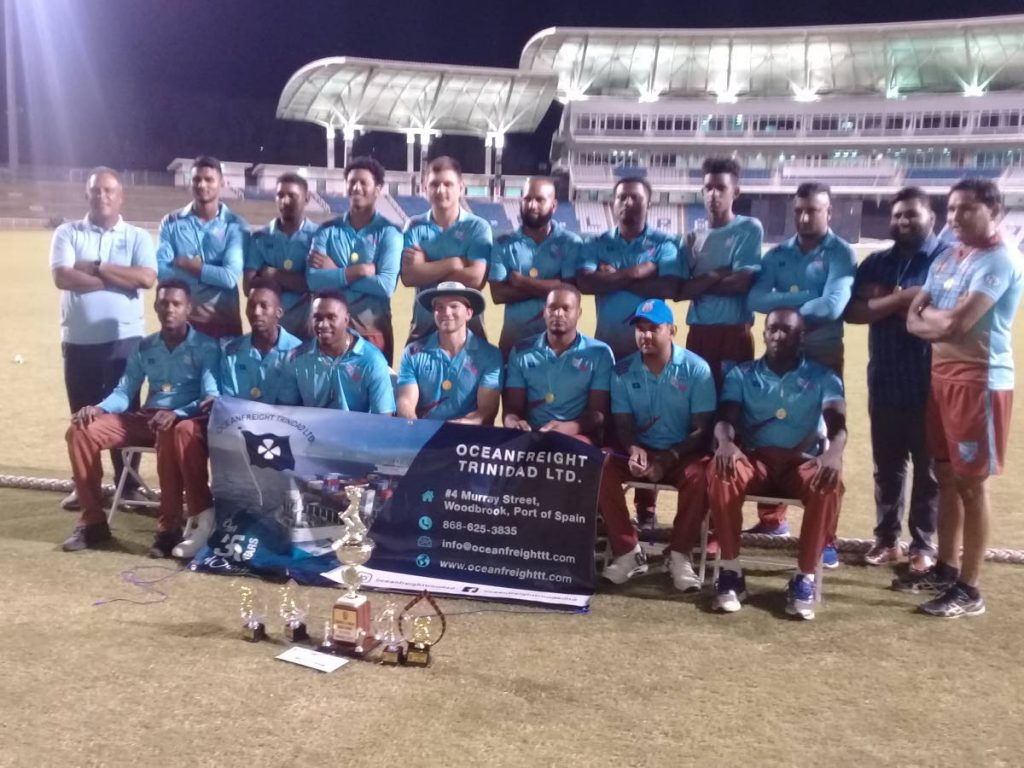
(11,80)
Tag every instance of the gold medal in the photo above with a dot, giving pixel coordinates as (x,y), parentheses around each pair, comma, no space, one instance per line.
(780,414)
(549,397)
(355,258)
(533,272)
(255,393)
(794,288)
(166,387)
(288,263)
(446,385)
(948,284)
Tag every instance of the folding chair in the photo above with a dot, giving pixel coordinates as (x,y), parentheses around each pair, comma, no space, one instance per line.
(128,454)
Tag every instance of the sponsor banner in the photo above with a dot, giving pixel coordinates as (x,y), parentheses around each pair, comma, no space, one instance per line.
(458,506)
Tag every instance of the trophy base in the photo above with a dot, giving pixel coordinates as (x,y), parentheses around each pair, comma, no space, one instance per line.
(351,624)
(417,656)
(253,633)
(354,650)
(392,654)
(296,633)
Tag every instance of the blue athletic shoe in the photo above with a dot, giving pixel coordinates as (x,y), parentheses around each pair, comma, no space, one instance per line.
(765,530)
(800,597)
(830,557)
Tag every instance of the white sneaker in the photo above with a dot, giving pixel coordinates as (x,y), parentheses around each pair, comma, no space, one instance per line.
(683,577)
(624,567)
(730,592)
(197,530)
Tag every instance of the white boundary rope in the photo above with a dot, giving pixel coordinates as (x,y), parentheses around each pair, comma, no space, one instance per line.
(758,540)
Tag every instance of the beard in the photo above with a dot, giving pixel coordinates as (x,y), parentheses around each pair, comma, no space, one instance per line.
(536,220)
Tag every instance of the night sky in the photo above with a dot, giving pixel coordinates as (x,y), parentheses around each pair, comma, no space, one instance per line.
(134,83)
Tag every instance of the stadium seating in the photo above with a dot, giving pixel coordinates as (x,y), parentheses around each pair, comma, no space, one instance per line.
(593,217)
(339,205)
(411,205)
(952,174)
(493,214)
(511,206)
(690,214)
(566,215)
(665,217)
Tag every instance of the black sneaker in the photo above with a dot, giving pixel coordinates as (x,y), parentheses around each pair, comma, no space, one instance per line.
(163,543)
(954,603)
(87,537)
(938,578)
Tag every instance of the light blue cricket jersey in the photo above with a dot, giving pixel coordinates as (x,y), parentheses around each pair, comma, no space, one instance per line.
(558,386)
(448,386)
(614,309)
(246,373)
(378,243)
(782,412)
(270,247)
(818,283)
(359,380)
(99,317)
(552,259)
(179,379)
(661,406)
(469,237)
(984,353)
(221,242)
(736,246)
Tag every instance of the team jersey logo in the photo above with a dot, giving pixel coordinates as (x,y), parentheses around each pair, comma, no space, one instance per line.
(582,365)
(968,451)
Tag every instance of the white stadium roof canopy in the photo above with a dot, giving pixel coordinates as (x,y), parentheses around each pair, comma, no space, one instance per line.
(397,96)
(970,56)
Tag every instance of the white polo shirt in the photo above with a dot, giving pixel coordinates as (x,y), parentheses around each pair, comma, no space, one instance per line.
(98,317)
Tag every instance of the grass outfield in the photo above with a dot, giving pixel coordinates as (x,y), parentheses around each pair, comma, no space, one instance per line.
(647,677)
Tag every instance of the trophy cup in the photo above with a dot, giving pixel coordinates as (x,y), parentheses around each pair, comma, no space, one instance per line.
(253,628)
(293,615)
(422,629)
(351,615)
(392,650)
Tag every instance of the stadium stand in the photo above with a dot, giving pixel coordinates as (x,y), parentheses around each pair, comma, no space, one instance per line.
(566,215)
(338,205)
(593,217)
(666,218)
(492,213)
(411,205)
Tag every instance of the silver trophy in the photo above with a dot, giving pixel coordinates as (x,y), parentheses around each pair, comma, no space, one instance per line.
(351,614)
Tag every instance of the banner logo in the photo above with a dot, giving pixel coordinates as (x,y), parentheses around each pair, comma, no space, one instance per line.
(269,451)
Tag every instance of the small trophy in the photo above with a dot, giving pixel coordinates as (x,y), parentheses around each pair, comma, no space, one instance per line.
(422,629)
(392,650)
(293,615)
(327,642)
(351,615)
(253,628)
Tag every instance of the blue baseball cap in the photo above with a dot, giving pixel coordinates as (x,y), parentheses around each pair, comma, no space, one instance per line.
(653,310)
